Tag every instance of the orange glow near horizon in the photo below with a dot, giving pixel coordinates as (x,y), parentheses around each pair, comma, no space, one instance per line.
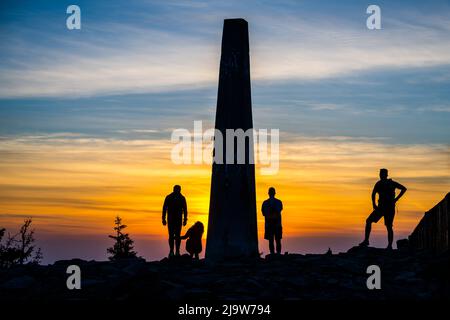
(77,186)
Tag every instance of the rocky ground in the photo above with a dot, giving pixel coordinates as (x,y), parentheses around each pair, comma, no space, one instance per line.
(312,277)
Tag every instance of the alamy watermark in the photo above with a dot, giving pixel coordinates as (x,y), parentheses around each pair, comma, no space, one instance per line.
(73,22)
(374,280)
(235,146)
(74,280)
(373,22)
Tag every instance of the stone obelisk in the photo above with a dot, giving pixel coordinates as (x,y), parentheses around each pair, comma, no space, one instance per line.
(232,228)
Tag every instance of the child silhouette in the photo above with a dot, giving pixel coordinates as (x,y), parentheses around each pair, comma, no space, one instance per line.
(194,239)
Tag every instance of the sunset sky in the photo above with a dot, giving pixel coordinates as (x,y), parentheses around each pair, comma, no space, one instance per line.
(86,115)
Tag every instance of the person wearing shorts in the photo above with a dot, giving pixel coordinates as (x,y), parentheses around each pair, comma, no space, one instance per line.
(273,231)
(385,188)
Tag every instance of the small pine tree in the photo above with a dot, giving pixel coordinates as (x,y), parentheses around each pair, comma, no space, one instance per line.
(123,247)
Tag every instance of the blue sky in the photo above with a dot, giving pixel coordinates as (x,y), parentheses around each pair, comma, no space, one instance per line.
(142,68)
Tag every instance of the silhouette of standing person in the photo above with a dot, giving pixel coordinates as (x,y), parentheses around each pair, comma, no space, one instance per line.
(271,210)
(175,208)
(386,206)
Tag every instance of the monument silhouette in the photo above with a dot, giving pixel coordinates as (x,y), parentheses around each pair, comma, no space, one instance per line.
(232,227)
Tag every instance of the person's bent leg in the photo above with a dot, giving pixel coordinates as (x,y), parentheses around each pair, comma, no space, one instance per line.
(375,216)
(367,230)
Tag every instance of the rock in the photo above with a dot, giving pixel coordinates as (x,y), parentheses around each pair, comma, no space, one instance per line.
(134,267)
(109,269)
(173,290)
(87,283)
(403,244)
(406,275)
(21,282)
(75,261)
(198,294)
(254,284)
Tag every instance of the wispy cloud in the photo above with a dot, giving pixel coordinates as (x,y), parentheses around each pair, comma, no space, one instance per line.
(142,62)
(315,48)
(435,108)
(123,58)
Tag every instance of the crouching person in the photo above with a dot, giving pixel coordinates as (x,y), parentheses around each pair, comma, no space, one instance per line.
(194,239)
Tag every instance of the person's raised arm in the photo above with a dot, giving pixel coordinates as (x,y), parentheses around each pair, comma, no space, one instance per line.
(402,191)
(164,211)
